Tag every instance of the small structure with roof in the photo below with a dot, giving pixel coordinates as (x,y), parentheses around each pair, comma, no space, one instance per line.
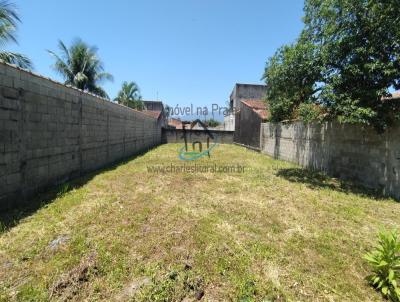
(174,123)
(248,119)
(156,110)
(239,93)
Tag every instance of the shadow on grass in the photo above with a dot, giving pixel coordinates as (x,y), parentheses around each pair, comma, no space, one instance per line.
(10,218)
(319,180)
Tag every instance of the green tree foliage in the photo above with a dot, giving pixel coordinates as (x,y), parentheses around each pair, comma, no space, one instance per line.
(129,95)
(353,50)
(291,75)
(385,263)
(309,112)
(212,123)
(8,25)
(81,67)
(168,110)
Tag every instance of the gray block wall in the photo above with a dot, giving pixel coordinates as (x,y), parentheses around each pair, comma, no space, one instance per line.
(50,133)
(176,136)
(345,151)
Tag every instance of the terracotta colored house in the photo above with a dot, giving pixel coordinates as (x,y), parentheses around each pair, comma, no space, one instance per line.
(174,123)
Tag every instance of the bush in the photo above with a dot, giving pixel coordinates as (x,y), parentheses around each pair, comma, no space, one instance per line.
(308,112)
(212,123)
(385,263)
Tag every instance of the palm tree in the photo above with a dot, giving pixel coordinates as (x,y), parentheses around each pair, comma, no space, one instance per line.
(129,95)
(8,25)
(81,67)
(168,110)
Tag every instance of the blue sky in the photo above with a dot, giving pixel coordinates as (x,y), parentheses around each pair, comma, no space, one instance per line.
(181,52)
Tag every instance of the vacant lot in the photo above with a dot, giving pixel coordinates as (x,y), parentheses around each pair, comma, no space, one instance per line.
(272,233)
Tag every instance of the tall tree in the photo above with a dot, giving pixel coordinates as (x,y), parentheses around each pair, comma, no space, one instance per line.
(291,75)
(8,25)
(81,67)
(347,57)
(129,95)
(359,46)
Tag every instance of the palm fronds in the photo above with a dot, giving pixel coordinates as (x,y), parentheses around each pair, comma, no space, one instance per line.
(8,25)
(80,66)
(16,59)
(129,95)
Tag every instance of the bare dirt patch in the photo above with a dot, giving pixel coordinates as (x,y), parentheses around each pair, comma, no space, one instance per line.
(71,283)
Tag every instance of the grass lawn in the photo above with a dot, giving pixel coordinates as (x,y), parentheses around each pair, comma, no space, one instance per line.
(273,233)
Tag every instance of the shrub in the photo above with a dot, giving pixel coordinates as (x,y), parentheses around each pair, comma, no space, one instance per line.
(212,123)
(309,112)
(64,189)
(385,263)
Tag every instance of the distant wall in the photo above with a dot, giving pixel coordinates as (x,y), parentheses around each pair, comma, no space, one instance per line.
(50,133)
(176,136)
(346,151)
(247,127)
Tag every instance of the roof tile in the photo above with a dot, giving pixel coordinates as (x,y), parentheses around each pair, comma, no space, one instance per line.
(258,106)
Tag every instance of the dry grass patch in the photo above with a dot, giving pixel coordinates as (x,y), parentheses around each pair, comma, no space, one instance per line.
(272,233)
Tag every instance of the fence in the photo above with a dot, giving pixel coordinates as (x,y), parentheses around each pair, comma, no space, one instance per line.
(346,151)
(50,133)
(176,136)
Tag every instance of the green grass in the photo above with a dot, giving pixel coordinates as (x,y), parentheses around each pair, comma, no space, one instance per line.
(273,233)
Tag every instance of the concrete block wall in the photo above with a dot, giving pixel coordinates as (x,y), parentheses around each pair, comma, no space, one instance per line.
(345,151)
(50,133)
(176,136)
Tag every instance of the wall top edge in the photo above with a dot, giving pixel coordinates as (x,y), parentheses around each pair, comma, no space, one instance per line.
(82,92)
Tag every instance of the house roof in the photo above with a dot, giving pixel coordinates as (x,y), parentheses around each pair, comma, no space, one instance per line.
(175,123)
(151,102)
(396,94)
(153,105)
(258,106)
(153,113)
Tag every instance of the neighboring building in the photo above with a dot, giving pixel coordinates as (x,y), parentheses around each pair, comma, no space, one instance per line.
(242,92)
(153,105)
(156,110)
(395,96)
(155,114)
(248,121)
(177,124)
(159,115)
(246,92)
(174,123)
(197,125)
(229,122)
